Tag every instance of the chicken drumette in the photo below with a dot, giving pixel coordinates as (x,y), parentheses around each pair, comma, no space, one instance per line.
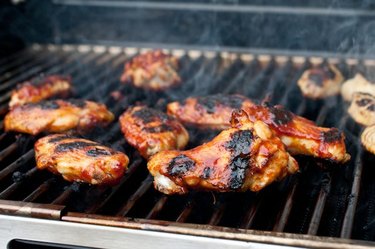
(151,131)
(57,116)
(247,156)
(41,88)
(80,160)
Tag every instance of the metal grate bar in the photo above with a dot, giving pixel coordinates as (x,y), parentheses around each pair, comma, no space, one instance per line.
(146,184)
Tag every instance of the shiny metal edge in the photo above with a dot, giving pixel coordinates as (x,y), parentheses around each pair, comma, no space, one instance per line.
(13,227)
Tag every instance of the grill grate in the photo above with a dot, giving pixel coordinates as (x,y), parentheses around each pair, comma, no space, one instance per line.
(338,202)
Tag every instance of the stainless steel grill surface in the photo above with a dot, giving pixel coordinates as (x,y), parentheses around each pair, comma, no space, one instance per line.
(323,199)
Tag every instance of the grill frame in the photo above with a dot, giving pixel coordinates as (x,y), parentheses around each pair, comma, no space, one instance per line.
(116,55)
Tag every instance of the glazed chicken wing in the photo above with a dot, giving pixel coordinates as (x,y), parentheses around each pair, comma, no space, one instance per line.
(151,131)
(321,82)
(80,160)
(153,70)
(213,111)
(41,88)
(245,157)
(300,135)
(57,116)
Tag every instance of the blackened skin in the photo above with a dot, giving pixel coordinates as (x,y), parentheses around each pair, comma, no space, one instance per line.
(331,136)
(280,116)
(59,138)
(98,152)
(363,102)
(371,107)
(148,115)
(331,74)
(210,102)
(206,173)
(180,165)
(45,105)
(73,145)
(77,102)
(239,146)
(317,77)
(158,129)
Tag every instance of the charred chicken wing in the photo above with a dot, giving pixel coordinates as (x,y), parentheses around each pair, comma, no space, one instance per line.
(41,88)
(57,116)
(80,160)
(300,135)
(321,82)
(245,157)
(213,111)
(153,70)
(151,131)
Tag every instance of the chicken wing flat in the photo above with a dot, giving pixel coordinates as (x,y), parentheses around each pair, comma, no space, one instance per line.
(41,88)
(151,131)
(300,135)
(80,160)
(213,111)
(321,82)
(153,70)
(57,116)
(245,157)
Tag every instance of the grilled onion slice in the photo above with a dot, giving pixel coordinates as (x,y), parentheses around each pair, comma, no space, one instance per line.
(368,139)
(362,108)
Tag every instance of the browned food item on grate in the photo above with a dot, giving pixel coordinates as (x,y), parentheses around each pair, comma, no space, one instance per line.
(362,108)
(356,84)
(321,82)
(212,111)
(153,70)
(57,116)
(41,88)
(247,156)
(300,135)
(151,131)
(80,160)
(368,139)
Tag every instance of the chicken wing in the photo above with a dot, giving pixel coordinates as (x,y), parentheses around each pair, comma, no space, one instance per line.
(213,111)
(41,88)
(151,131)
(153,70)
(80,160)
(300,135)
(245,157)
(321,82)
(57,116)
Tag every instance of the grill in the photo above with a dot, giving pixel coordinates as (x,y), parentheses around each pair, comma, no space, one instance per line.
(323,205)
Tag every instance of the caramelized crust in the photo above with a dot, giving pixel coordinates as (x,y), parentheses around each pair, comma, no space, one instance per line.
(80,160)
(151,131)
(213,111)
(41,88)
(300,135)
(321,82)
(153,70)
(245,157)
(57,116)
